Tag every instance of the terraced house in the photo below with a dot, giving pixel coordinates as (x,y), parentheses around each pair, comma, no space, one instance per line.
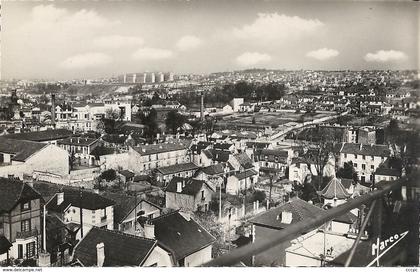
(20,220)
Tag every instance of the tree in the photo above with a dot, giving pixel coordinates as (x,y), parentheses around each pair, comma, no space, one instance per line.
(72,160)
(112,114)
(347,171)
(109,175)
(258,196)
(174,120)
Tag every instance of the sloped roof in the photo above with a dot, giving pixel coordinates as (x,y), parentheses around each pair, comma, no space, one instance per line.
(334,189)
(273,155)
(183,236)
(159,148)
(13,191)
(4,244)
(121,249)
(200,146)
(219,155)
(299,208)
(22,149)
(191,187)
(365,149)
(81,199)
(244,160)
(222,146)
(214,169)
(246,174)
(77,141)
(41,136)
(176,168)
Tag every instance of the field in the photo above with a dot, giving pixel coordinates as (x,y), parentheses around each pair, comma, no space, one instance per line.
(273,119)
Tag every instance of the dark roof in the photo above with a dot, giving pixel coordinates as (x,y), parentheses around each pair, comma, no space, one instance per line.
(82,199)
(125,204)
(191,186)
(386,171)
(159,148)
(219,155)
(183,236)
(13,192)
(257,145)
(348,218)
(126,173)
(246,174)
(176,168)
(120,249)
(200,146)
(334,189)
(41,136)
(4,244)
(274,155)
(365,149)
(102,150)
(222,146)
(21,149)
(77,141)
(244,160)
(299,208)
(214,169)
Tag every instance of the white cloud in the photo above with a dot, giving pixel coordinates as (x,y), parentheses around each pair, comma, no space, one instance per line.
(385,56)
(148,53)
(273,27)
(117,41)
(86,60)
(252,58)
(323,54)
(188,42)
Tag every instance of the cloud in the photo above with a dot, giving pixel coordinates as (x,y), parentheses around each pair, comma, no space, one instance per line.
(117,41)
(273,26)
(323,54)
(252,58)
(188,42)
(86,60)
(148,53)
(385,56)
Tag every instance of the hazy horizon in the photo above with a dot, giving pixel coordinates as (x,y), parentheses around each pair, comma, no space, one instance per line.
(67,40)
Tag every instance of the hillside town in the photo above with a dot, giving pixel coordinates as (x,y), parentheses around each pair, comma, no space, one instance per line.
(136,177)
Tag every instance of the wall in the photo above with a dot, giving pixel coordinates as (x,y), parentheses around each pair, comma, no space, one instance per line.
(113,161)
(50,159)
(296,260)
(160,257)
(199,257)
(274,256)
(178,201)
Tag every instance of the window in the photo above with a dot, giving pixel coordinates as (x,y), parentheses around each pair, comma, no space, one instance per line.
(364,166)
(371,178)
(372,167)
(362,179)
(26,225)
(25,206)
(355,156)
(372,158)
(345,156)
(364,157)
(355,165)
(30,250)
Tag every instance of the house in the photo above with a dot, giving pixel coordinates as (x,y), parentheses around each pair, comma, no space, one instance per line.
(143,159)
(384,172)
(188,194)
(20,220)
(81,148)
(128,209)
(21,157)
(365,158)
(235,103)
(241,181)
(126,176)
(50,136)
(273,161)
(108,248)
(366,135)
(334,193)
(82,207)
(214,175)
(299,170)
(191,243)
(196,153)
(246,107)
(269,223)
(166,173)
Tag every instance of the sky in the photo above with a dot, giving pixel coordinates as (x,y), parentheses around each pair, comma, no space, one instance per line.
(91,39)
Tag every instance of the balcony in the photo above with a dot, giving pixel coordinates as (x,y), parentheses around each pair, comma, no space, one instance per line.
(26,234)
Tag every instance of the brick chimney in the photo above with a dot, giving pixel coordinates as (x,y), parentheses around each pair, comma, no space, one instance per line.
(60,198)
(149,231)
(100,254)
(179,187)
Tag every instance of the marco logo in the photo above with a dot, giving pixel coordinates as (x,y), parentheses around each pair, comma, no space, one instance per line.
(382,247)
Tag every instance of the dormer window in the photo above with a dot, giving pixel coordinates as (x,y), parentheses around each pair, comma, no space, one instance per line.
(25,206)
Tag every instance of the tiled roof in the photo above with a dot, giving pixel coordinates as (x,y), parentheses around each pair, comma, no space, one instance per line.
(219,155)
(176,168)
(191,186)
(365,149)
(257,145)
(246,174)
(13,191)
(5,244)
(348,218)
(244,160)
(126,173)
(77,141)
(81,199)
(214,169)
(120,249)
(145,150)
(183,236)
(200,146)
(273,155)
(334,189)
(299,208)
(222,146)
(386,171)
(21,149)
(41,136)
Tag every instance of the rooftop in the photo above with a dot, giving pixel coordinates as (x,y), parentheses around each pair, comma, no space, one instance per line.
(21,149)
(41,136)
(176,168)
(13,192)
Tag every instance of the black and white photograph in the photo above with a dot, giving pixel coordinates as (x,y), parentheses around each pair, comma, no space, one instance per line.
(206,133)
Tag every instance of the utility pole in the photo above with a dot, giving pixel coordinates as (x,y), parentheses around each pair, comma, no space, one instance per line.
(81,214)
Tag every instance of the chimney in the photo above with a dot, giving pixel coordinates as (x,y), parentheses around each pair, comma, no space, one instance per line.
(179,187)
(60,198)
(78,140)
(149,231)
(286,217)
(100,254)
(361,146)
(202,107)
(53,110)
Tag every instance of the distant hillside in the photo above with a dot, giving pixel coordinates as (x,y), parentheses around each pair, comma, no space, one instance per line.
(90,89)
